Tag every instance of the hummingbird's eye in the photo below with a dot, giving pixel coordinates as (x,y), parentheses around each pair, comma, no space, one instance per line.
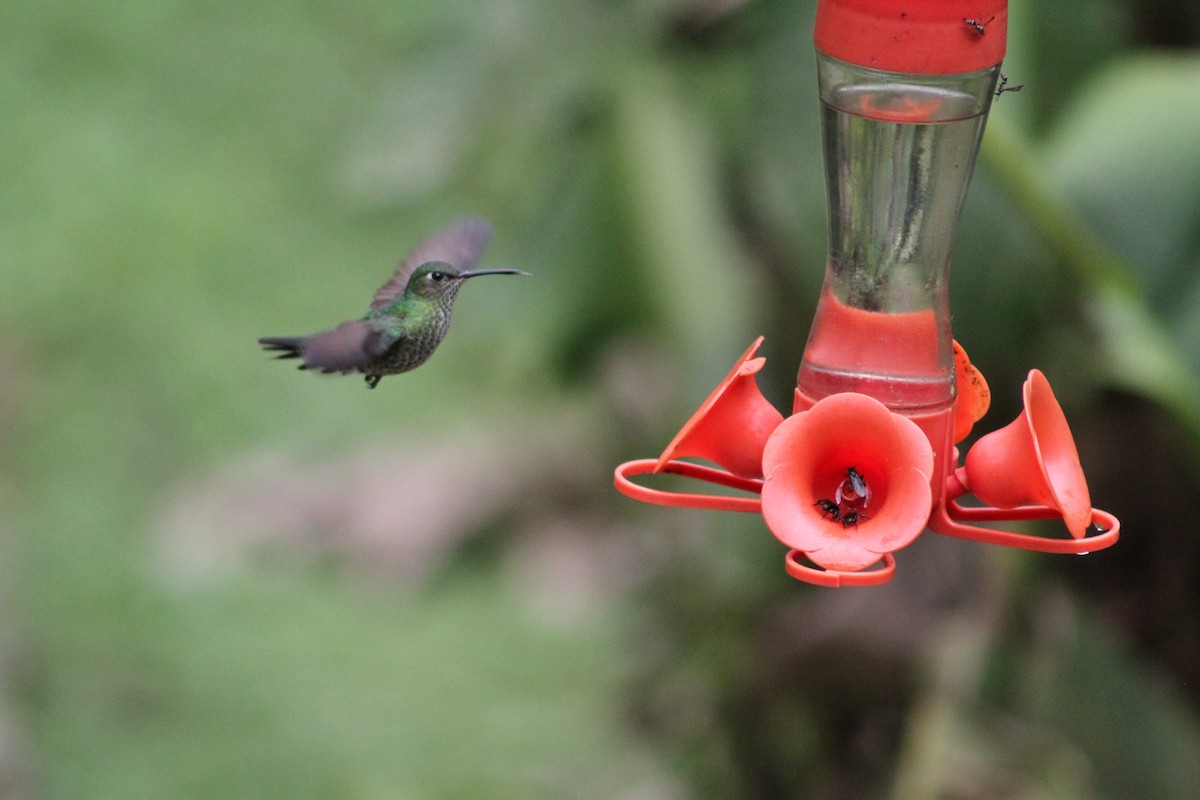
(437,277)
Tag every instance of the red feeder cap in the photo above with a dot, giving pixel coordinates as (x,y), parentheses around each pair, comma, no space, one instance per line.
(923,37)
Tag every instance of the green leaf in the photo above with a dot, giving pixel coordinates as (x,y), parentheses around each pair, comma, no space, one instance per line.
(1126,152)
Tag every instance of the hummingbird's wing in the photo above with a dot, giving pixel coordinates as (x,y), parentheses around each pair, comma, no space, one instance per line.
(343,349)
(459,244)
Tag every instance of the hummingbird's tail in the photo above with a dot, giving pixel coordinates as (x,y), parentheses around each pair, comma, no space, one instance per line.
(286,346)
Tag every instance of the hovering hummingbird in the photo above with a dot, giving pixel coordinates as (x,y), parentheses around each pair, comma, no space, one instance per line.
(409,315)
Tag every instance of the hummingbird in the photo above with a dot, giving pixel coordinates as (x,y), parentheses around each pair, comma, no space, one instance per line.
(409,314)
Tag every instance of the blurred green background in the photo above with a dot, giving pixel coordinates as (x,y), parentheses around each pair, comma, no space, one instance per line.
(225,578)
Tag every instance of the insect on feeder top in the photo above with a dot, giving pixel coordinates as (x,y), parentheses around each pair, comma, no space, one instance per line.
(923,37)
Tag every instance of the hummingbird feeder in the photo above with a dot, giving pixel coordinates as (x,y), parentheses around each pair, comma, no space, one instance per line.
(867,459)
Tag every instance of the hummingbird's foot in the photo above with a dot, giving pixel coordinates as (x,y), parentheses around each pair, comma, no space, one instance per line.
(372,380)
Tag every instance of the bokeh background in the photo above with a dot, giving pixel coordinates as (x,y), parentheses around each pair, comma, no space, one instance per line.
(225,578)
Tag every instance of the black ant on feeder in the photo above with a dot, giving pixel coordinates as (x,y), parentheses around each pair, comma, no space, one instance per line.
(1003,86)
(853,518)
(828,509)
(980,28)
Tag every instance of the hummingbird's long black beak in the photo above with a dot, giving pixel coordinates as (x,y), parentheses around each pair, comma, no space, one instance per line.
(477,272)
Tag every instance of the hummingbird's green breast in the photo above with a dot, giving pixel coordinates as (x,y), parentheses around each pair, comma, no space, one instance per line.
(420,324)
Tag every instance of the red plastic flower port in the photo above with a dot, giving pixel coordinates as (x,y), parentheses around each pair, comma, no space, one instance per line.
(847,482)
(1027,470)
(731,427)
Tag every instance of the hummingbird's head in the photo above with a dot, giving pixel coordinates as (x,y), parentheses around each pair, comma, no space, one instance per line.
(434,280)
(438,279)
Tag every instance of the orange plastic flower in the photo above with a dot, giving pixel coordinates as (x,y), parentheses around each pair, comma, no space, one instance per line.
(972,395)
